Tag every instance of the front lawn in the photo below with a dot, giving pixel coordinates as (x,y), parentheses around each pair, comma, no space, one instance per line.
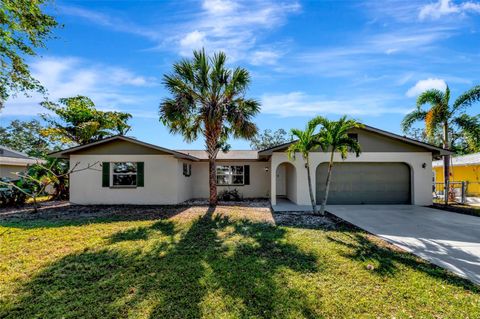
(227,262)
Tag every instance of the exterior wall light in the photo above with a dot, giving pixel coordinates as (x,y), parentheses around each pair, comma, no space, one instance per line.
(424,165)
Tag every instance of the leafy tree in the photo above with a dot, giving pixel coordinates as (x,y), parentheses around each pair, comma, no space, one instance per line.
(442,117)
(77,121)
(25,28)
(470,132)
(209,99)
(307,141)
(333,136)
(35,180)
(25,137)
(268,139)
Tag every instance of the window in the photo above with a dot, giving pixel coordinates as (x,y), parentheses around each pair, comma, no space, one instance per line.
(124,174)
(230,175)
(187,169)
(353,136)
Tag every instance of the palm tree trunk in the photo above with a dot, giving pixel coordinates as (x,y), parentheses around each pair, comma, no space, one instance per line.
(212,179)
(446,164)
(312,199)
(327,184)
(212,150)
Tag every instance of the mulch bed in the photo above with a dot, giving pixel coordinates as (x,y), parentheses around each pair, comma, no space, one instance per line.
(460,209)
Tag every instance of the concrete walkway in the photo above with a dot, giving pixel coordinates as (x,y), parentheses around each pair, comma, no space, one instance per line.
(449,240)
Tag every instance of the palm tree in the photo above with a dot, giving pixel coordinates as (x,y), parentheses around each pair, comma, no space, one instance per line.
(334,137)
(209,99)
(442,116)
(307,141)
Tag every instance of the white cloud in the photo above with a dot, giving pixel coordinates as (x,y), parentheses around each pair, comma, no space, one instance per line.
(108,86)
(301,104)
(423,85)
(447,7)
(265,57)
(232,27)
(192,41)
(219,6)
(113,23)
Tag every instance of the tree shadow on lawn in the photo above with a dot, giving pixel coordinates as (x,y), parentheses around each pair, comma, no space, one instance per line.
(218,265)
(78,215)
(386,258)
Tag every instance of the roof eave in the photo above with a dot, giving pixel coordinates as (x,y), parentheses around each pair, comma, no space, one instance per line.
(66,153)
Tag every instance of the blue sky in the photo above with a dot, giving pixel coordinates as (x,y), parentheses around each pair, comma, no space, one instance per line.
(368,60)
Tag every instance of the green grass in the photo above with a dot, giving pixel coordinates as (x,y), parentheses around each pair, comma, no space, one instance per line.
(227,263)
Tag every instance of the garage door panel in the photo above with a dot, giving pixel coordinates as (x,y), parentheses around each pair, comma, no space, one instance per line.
(365,183)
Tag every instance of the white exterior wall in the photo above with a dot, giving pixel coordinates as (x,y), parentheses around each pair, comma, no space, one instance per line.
(259,180)
(184,183)
(162,181)
(291,188)
(10,170)
(421,178)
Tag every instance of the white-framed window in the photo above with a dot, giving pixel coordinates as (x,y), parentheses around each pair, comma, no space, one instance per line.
(230,175)
(124,174)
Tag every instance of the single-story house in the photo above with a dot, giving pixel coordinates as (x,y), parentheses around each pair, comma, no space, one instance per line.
(392,169)
(12,162)
(465,168)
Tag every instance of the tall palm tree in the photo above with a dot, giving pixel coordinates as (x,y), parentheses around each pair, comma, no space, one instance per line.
(441,116)
(333,137)
(209,99)
(307,141)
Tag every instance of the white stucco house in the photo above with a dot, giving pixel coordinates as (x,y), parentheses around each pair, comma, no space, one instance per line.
(392,169)
(13,162)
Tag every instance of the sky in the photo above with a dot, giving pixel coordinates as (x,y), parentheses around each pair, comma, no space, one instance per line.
(368,60)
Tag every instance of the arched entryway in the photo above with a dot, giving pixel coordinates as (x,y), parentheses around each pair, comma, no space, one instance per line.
(356,183)
(286,182)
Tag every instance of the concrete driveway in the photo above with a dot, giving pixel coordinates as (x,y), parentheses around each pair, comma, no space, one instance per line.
(449,240)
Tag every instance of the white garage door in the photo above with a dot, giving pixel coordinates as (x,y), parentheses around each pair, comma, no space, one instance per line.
(365,183)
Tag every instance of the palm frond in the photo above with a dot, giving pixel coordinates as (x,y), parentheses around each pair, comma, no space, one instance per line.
(411,118)
(467,99)
(432,97)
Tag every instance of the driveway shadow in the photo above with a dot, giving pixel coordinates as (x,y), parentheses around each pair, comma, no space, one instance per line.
(387,258)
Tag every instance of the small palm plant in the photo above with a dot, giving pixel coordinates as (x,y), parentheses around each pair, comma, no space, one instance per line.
(441,116)
(333,137)
(307,141)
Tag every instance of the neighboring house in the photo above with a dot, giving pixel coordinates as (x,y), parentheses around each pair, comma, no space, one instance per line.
(391,170)
(12,162)
(465,168)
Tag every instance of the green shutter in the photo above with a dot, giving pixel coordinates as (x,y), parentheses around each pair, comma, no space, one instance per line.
(140,174)
(246,172)
(105,174)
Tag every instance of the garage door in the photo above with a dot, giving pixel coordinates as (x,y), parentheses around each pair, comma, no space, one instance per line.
(365,183)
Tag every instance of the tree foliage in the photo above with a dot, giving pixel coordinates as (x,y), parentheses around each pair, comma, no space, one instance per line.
(25,28)
(26,137)
(462,130)
(77,121)
(333,137)
(208,99)
(268,139)
(307,141)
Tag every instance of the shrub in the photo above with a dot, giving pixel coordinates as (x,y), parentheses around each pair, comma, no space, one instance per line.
(10,196)
(229,195)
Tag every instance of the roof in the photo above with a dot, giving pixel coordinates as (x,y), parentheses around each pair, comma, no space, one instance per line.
(230,155)
(8,152)
(66,152)
(463,160)
(13,161)
(430,147)
(16,158)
